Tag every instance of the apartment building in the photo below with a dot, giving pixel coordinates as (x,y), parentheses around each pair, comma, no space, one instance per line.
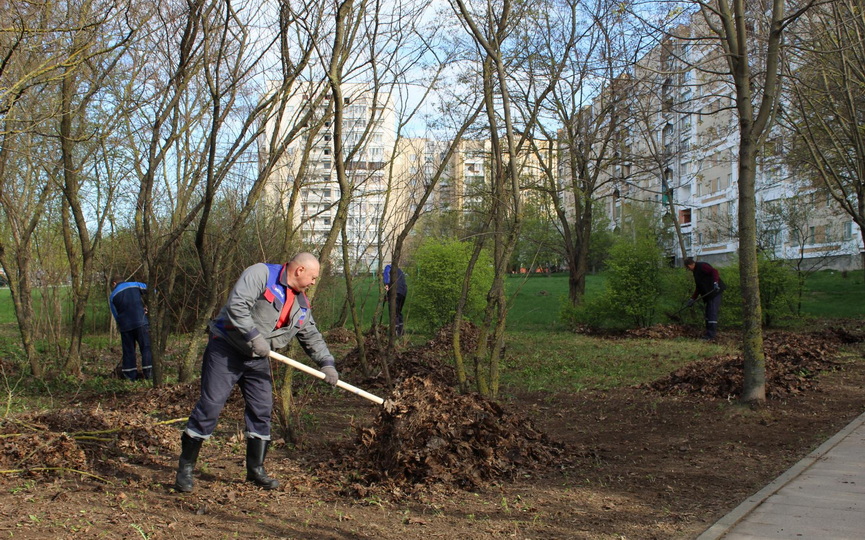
(305,179)
(677,154)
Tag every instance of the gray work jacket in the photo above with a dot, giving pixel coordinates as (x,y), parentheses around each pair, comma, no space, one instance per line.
(250,310)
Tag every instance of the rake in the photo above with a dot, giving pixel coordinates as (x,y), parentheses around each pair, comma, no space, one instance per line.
(316,373)
(675,315)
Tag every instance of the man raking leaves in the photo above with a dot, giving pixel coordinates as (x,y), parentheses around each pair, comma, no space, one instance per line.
(266,309)
(709,288)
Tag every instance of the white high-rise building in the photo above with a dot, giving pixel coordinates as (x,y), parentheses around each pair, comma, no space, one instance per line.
(305,179)
(678,144)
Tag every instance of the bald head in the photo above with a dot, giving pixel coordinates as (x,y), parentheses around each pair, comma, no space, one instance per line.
(302,271)
(304,258)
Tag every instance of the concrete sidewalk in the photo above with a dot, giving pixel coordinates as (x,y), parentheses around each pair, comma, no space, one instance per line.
(822,497)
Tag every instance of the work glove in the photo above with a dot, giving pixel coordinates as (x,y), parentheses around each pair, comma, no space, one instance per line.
(260,346)
(691,302)
(331,377)
(716,286)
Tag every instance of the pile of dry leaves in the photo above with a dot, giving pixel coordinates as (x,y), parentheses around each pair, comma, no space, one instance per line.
(792,363)
(427,434)
(95,442)
(663,331)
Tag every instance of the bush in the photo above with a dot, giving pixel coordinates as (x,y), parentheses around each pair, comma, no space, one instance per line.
(437,282)
(637,280)
(777,293)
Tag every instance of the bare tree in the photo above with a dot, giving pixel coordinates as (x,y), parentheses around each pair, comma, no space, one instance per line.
(84,148)
(490,27)
(199,118)
(662,124)
(43,45)
(587,137)
(811,241)
(751,38)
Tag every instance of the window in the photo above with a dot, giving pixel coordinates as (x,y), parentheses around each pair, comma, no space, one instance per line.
(715,184)
(847,230)
(685,216)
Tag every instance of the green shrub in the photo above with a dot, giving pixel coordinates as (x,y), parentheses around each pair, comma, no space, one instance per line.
(436,283)
(777,293)
(637,279)
(595,312)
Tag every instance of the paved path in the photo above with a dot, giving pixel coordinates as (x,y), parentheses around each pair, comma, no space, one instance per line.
(820,498)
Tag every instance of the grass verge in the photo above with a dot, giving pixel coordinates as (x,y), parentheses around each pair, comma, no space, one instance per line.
(565,362)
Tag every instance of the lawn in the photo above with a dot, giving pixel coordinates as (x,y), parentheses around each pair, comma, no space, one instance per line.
(567,362)
(541,355)
(833,294)
(536,299)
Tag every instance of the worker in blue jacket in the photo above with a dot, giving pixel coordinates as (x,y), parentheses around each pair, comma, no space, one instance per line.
(265,310)
(129,310)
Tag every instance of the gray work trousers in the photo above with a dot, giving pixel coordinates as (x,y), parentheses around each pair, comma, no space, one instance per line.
(223,367)
(713,307)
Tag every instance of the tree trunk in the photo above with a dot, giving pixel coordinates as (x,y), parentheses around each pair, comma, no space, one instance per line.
(754,388)
(22,299)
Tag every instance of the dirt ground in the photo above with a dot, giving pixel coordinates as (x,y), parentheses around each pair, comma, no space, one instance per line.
(661,461)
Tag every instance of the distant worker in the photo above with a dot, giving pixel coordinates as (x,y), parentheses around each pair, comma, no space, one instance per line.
(266,309)
(401,293)
(129,310)
(709,288)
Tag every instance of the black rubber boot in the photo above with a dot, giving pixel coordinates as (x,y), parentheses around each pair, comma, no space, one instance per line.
(190,447)
(256,450)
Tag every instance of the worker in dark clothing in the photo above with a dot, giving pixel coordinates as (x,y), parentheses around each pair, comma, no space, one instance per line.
(401,293)
(266,309)
(129,310)
(709,287)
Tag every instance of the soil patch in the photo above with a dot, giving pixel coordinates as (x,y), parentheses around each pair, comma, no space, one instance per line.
(661,461)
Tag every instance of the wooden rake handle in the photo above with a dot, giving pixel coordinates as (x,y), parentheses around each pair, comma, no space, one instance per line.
(316,373)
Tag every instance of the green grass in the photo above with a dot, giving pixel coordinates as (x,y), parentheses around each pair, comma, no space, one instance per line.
(567,362)
(535,301)
(834,294)
(540,355)
(7,310)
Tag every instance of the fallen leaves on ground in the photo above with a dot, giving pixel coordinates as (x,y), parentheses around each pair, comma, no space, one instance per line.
(793,362)
(428,435)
